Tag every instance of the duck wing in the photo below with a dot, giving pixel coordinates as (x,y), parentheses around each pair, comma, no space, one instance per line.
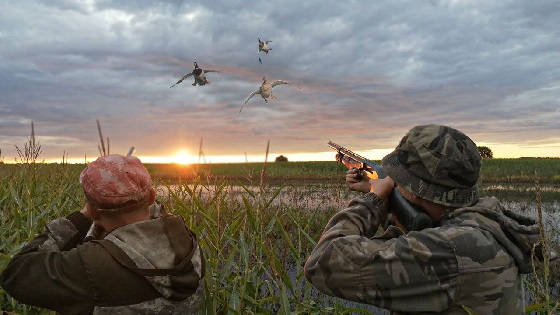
(248,98)
(251,95)
(278,82)
(206,71)
(183,78)
(268,41)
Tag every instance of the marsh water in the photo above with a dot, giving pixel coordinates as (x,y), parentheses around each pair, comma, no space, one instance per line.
(313,197)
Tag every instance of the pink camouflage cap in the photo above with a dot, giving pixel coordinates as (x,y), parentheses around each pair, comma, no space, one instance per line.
(116,183)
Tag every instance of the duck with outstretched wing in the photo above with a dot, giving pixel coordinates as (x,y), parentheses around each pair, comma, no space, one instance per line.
(265,90)
(199,76)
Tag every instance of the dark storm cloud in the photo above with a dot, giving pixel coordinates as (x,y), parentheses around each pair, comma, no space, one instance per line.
(362,73)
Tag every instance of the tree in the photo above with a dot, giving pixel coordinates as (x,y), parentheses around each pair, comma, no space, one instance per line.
(281,158)
(485,152)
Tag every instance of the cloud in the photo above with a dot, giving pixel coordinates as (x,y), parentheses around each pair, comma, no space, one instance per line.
(361,74)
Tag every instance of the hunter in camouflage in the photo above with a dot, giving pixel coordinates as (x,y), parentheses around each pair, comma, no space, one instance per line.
(121,254)
(469,262)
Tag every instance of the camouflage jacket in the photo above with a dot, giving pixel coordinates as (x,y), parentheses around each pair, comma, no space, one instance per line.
(149,267)
(472,260)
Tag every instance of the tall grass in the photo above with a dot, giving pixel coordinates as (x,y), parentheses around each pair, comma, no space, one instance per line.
(31,195)
(255,239)
(510,171)
(543,271)
(255,247)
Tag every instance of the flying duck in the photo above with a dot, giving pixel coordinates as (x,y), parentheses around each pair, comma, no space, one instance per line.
(199,76)
(263,46)
(265,90)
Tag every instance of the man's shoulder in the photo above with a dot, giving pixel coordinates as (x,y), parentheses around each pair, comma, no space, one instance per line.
(474,248)
(167,226)
(155,243)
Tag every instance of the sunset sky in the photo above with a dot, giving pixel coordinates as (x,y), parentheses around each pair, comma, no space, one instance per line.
(362,74)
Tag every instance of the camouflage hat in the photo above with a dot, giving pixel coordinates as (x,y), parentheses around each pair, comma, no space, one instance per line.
(436,163)
(116,183)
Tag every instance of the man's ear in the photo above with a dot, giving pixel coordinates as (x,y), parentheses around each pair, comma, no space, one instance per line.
(92,210)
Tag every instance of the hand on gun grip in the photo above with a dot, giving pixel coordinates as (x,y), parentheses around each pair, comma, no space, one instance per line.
(356,180)
(367,176)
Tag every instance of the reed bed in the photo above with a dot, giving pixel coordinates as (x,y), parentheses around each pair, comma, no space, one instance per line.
(255,239)
(31,196)
(509,171)
(493,172)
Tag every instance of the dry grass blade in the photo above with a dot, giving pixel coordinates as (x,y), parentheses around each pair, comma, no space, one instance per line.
(541,252)
(201,156)
(30,151)
(102,147)
(263,171)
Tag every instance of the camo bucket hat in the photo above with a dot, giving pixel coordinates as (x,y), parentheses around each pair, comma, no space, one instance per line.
(116,183)
(436,163)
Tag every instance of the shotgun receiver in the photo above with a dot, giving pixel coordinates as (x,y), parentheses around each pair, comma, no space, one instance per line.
(411,218)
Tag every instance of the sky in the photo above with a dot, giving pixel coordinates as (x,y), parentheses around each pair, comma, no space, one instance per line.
(362,74)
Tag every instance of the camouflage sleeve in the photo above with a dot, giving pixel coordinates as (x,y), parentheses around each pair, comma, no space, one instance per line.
(414,272)
(55,271)
(65,233)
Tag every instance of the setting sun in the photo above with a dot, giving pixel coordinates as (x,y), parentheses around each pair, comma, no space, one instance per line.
(183,157)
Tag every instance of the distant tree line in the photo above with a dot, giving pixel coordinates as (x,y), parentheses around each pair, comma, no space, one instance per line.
(485,152)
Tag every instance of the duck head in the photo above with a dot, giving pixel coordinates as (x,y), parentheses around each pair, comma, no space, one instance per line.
(195,65)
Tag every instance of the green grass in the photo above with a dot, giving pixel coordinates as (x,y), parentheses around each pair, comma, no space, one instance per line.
(249,243)
(30,196)
(255,241)
(255,246)
(521,170)
(493,171)
(292,171)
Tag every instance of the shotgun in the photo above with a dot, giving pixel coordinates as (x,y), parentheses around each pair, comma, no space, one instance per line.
(412,218)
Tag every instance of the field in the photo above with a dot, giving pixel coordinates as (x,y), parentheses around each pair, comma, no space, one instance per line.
(256,238)
(547,170)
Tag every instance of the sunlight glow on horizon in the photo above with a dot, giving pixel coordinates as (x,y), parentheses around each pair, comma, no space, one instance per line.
(183,157)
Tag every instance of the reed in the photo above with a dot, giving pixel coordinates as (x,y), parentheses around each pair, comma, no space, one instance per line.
(255,244)
(540,280)
(255,240)
(255,237)
(496,171)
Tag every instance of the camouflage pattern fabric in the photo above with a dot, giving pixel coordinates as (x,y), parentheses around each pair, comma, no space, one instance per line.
(158,306)
(472,260)
(159,244)
(436,163)
(149,267)
(116,183)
